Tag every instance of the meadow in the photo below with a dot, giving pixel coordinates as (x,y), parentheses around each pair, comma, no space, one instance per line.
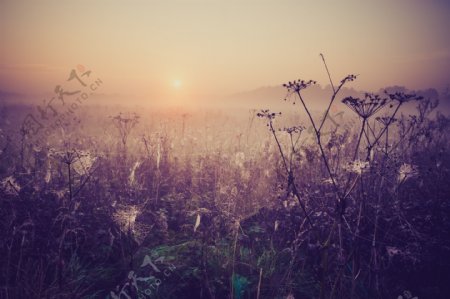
(128,202)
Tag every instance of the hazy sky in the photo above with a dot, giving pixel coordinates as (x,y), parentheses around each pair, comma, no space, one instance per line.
(213,47)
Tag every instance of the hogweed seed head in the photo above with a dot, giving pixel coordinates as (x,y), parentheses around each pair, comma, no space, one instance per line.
(385,120)
(293,130)
(296,86)
(402,97)
(267,114)
(366,107)
(349,78)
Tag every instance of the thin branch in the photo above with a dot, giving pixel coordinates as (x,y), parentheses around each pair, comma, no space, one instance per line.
(328,72)
(320,147)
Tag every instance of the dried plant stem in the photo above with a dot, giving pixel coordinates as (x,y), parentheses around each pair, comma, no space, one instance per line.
(370,146)
(289,172)
(387,141)
(259,283)
(374,239)
(358,142)
(319,143)
(355,155)
(70,182)
(279,147)
(328,72)
(234,258)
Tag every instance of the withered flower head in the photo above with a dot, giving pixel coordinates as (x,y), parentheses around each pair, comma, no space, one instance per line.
(366,107)
(297,85)
(294,129)
(267,114)
(349,78)
(385,120)
(402,97)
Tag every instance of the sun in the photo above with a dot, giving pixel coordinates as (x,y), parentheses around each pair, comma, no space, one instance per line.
(177,84)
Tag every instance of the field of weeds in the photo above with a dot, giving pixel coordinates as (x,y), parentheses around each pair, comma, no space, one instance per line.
(118,202)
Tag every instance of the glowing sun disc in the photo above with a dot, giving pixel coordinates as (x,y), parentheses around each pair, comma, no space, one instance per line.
(177,84)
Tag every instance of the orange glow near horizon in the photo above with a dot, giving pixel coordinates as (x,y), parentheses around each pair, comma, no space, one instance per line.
(223,47)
